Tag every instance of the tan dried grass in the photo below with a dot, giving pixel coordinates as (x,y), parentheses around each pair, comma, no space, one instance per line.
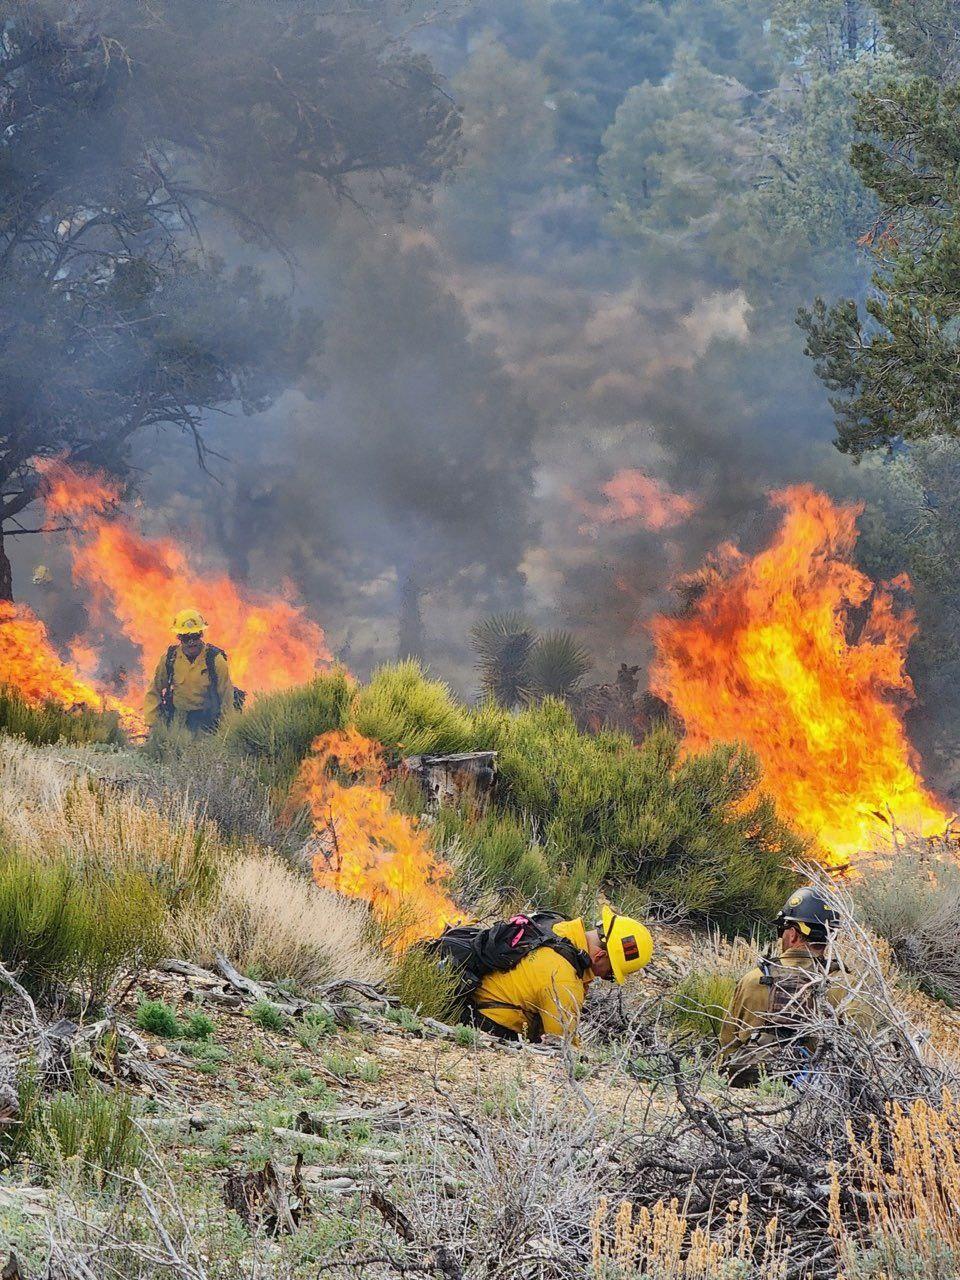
(53,808)
(908,1174)
(272,921)
(661,1241)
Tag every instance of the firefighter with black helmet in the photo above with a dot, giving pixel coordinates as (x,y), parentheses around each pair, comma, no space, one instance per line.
(767,1029)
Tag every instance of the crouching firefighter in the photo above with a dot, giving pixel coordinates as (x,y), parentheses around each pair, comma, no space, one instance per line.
(771,1026)
(192,685)
(528,976)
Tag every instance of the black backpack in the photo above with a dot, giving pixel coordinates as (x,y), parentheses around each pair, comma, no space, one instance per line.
(472,952)
(208,717)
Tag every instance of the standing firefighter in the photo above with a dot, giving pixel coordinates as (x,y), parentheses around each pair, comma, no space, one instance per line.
(528,977)
(770,1028)
(192,685)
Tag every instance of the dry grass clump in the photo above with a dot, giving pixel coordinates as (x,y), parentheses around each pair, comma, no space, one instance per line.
(272,921)
(32,777)
(907,1174)
(90,822)
(913,901)
(662,1241)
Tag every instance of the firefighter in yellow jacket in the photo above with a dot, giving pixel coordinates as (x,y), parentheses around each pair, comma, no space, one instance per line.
(192,685)
(543,995)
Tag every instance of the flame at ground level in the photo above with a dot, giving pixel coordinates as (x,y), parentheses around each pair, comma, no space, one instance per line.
(30,665)
(367,849)
(765,656)
(140,583)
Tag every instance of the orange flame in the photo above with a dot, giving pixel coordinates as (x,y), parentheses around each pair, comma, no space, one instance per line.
(366,848)
(634,498)
(140,583)
(765,656)
(29,664)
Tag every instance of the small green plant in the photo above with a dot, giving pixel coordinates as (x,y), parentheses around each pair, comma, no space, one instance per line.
(424,986)
(405,1019)
(84,1133)
(319,1020)
(157,1017)
(651,1071)
(773,1087)
(369,1071)
(465,1036)
(205,1051)
(340,1066)
(700,1002)
(267,1016)
(199,1027)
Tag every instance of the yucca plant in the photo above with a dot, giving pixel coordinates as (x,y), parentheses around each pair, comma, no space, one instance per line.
(556,665)
(503,644)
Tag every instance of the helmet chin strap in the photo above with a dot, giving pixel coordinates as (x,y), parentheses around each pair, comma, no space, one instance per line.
(600,931)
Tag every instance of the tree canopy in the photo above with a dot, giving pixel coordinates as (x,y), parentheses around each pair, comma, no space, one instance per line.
(124,127)
(893,361)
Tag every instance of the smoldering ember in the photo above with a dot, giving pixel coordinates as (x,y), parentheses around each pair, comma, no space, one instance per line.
(479,680)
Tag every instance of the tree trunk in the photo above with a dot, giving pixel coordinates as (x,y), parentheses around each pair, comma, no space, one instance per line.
(852,27)
(6,573)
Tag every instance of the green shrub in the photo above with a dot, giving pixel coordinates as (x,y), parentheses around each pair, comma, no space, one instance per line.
(409,714)
(50,722)
(690,832)
(277,730)
(423,986)
(267,1016)
(700,1002)
(85,1131)
(76,926)
(158,1018)
(497,852)
(199,1027)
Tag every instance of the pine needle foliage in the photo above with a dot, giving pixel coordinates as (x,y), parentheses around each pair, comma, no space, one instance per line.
(279,728)
(692,832)
(556,665)
(49,723)
(504,643)
(410,714)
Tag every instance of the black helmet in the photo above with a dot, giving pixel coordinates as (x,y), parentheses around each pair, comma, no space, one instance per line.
(809,911)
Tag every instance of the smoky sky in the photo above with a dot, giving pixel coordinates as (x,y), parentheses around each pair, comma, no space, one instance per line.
(463,404)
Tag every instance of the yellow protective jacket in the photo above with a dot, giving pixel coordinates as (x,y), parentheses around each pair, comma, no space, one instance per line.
(761,1012)
(542,995)
(190,684)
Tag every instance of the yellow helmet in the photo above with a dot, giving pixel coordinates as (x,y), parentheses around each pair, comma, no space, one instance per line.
(628,943)
(189,621)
